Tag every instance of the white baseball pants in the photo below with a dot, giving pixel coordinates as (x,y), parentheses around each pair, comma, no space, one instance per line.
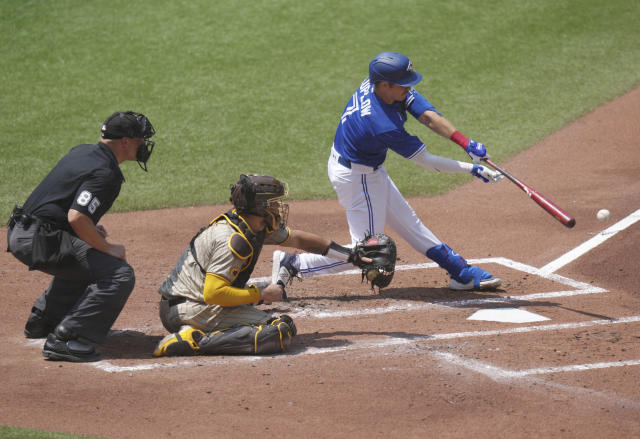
(371,201)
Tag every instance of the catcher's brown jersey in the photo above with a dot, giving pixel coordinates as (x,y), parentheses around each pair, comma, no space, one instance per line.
(215,256)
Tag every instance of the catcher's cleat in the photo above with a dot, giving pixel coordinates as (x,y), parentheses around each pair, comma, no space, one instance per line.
(184,342)
(474,278)
(284,269)
(56,348)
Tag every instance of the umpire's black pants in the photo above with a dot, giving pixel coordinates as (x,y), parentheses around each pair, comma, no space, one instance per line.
(86,295)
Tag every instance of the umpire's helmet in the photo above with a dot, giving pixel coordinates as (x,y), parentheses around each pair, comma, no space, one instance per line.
(393,68)
(261,195)
(130,124)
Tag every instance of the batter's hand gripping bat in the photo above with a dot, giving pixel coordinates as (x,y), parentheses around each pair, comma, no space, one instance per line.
(542,201)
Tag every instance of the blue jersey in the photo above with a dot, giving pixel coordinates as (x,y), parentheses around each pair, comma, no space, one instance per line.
(369,126)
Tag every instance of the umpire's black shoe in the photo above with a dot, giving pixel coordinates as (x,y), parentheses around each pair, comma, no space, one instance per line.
(62,348)
(38,326)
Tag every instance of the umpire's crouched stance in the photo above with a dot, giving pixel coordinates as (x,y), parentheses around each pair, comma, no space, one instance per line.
(56,232)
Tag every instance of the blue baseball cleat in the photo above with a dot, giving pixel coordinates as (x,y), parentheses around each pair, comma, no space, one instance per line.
(474,278)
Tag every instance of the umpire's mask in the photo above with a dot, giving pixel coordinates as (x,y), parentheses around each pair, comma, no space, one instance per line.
(134,125)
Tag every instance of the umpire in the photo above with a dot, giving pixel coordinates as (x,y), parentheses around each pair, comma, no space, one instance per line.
(57,232)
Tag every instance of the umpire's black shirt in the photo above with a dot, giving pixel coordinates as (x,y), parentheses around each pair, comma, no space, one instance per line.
(87,179)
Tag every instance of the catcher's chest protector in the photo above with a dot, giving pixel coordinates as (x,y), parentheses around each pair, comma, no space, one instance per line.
(248,246)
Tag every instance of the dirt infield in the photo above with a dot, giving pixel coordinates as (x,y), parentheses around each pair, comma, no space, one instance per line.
(406,362)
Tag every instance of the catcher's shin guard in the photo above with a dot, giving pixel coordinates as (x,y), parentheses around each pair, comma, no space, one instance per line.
(272,337)
(184,342)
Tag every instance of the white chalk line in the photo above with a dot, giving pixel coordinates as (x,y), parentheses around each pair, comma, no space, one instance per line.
(545,272)
(409,306)
(499,374)
(580,288)
(201,361)
(364,345)
(591,243)
(576,367)
(534,328)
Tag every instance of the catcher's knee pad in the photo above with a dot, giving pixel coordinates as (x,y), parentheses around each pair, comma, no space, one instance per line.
(183,342)
(450,261)
(283,321)
(271,337)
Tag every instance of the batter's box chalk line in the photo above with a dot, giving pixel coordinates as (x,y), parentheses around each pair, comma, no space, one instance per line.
(576,288)
(385,344)
(546,272)
(502,375)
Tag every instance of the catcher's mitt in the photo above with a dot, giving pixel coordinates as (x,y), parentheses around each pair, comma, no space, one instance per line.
(381,249)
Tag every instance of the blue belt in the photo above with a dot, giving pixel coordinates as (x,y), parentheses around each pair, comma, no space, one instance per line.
(347,163)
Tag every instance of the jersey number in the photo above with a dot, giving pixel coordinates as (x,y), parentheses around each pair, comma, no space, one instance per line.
(86,198)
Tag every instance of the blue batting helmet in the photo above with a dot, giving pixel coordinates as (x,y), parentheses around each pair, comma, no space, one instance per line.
(394,68)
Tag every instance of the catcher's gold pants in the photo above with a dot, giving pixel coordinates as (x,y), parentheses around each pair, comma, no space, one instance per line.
(208,318)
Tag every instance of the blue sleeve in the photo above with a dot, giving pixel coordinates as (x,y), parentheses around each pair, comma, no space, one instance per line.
(418,104)
(402,143)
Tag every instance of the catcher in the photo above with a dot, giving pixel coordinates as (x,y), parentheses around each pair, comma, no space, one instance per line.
(206,303)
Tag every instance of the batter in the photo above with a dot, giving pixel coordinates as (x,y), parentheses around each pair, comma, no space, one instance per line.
(371,124)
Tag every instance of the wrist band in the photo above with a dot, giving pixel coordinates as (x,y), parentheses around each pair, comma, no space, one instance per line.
(336,251)
(460,139)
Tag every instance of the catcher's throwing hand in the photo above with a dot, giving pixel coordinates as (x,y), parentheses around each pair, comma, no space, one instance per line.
(376,256)
(272,293)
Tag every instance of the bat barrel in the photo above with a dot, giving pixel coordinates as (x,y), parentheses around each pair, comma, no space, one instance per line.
(559,214)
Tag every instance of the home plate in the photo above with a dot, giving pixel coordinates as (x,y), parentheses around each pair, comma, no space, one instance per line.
(507,315)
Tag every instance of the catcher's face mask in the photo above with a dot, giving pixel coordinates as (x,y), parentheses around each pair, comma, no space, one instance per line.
(276,213)
(261,195)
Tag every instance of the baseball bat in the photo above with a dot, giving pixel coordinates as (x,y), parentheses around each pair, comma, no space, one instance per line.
(559,214)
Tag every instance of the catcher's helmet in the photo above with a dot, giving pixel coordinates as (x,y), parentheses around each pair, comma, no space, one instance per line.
(394,68)
(260,195)
(130,124)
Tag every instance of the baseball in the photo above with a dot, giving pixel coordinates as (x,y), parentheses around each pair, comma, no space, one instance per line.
(603,214)
(372,274)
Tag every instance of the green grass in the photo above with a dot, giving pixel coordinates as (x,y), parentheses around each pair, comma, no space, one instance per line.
(258,86)
(25,433)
